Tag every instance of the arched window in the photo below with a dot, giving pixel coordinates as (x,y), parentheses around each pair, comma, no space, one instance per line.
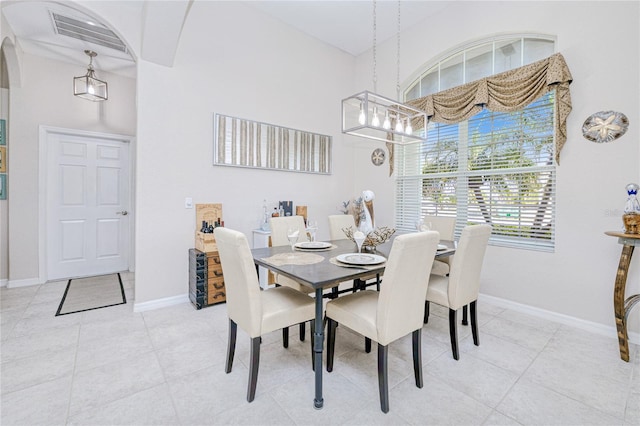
(495,167)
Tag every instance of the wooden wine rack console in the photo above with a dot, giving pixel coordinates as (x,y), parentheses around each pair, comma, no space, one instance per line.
(206,282)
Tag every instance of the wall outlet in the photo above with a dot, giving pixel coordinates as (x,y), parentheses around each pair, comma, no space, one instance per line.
(188,203)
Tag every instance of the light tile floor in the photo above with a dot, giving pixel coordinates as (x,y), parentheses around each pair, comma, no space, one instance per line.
(112,366)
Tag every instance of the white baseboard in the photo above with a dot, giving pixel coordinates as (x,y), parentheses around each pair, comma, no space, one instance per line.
(23,283)
(590,326)
(3,282)
(161,303)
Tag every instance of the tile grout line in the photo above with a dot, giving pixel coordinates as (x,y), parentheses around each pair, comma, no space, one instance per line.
(73,373)
(164,376)
(520,376)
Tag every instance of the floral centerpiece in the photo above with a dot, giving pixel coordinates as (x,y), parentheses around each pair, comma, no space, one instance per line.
(374,238)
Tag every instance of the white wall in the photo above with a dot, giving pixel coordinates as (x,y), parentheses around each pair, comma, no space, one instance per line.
(600,42)
(46,98)
(235,61)
(5,34)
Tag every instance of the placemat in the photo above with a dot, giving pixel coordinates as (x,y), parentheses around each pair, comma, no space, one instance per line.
(296,258)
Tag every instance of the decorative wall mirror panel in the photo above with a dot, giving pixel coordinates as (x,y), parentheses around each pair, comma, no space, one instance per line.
(245,143)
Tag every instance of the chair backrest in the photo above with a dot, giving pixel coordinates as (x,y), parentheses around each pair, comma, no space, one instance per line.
(244,305)
(464,273)
(444,225)
(339,221)
(406,275)
(279,227)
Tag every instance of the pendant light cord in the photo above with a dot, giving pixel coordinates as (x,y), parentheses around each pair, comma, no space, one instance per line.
(398,57)
(375,75)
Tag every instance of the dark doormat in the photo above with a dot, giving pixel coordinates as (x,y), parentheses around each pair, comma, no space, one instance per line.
(86,294)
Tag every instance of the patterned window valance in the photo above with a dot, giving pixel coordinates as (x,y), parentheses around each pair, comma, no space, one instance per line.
(505,92)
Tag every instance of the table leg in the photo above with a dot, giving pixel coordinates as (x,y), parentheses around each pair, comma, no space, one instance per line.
(619,302)
(318,343)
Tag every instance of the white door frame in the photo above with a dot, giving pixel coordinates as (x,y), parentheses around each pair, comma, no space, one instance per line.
(44,132)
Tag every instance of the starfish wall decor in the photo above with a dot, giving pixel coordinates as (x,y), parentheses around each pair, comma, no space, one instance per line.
(605,126)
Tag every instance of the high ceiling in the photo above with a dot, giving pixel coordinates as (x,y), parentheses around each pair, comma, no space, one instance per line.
(347,25)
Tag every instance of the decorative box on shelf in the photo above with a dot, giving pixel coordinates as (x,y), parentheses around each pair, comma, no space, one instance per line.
(209,214)
(206,242)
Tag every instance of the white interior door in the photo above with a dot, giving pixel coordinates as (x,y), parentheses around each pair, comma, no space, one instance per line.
(88,230)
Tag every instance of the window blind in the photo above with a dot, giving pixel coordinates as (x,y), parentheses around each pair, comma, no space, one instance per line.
(496,168)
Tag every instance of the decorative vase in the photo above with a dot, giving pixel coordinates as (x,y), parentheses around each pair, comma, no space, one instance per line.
(631,216)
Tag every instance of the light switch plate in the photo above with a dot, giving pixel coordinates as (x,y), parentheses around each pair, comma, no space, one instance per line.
(188,203)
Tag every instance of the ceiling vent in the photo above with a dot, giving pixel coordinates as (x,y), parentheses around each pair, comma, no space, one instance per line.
(85,31)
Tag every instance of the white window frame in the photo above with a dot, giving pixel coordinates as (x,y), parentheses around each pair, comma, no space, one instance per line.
(409,197)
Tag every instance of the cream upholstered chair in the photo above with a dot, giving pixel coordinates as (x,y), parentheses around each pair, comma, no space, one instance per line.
(393,312)
(256,312)
(337,223)
(462,285)
(446,227)
(279,228)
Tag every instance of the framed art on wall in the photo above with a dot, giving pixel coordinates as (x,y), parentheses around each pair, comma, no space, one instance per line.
(3,186)
(3,159)
(245,143)
(3,132)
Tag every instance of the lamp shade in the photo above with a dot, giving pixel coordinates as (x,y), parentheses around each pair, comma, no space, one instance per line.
(373,116)
(88,86)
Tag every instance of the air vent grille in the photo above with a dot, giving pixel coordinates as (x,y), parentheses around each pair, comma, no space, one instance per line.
(84,31)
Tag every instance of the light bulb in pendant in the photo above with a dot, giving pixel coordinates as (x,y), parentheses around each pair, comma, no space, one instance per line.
(399,126)
(361,117)
(408,129)
(386,124)
(91,90)
(375,121)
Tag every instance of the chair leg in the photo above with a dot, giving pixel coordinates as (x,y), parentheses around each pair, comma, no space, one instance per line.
(367,345)
(377,282)
(426,311)
(285,337)
(231,345)
(253,368)
(302,333)
(474,323)
(464,315)
(331,342)
(453,333)
(416,339)
(383,377)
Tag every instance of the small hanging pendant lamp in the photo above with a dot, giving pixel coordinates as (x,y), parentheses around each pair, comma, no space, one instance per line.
(88,86)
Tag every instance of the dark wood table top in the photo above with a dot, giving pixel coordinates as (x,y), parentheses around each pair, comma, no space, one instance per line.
(325,274)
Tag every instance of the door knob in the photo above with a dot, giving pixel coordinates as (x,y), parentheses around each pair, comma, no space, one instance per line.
(123,212)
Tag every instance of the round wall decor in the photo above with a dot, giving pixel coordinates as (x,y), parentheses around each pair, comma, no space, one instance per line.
(605,126)
(377,156)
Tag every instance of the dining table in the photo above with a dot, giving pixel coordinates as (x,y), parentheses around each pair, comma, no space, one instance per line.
(317,267)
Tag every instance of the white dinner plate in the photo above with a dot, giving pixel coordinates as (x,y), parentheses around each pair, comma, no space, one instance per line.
(360,259)
(442,247)
(311,245)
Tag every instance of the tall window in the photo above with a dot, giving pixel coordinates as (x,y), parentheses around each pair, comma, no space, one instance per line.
(496,167)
